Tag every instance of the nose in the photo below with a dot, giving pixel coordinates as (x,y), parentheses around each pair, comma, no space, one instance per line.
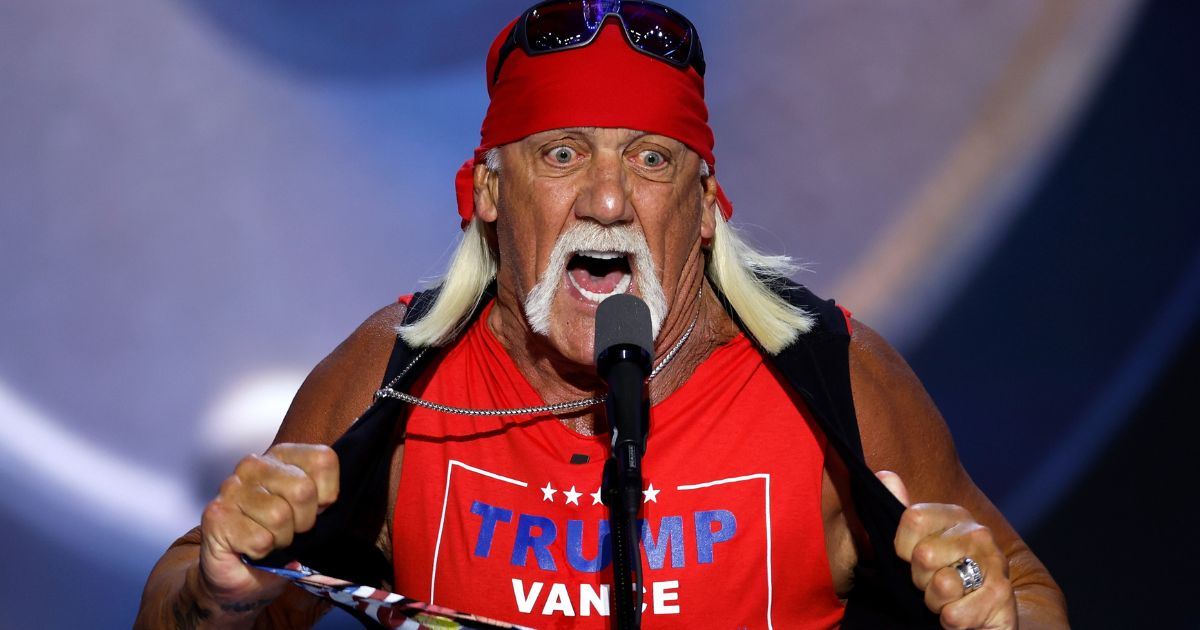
(605,196)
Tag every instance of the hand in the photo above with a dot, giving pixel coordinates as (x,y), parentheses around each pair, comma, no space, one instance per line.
(933,537)
(261,506)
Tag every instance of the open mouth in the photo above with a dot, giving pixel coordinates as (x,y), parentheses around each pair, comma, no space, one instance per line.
(597,275)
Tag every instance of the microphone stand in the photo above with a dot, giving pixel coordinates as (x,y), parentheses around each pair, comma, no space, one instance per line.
(625,367)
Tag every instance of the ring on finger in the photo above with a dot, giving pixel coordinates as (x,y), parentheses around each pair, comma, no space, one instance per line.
(970,573)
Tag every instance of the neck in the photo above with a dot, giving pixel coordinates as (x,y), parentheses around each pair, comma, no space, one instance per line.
(714,328)
(558,379)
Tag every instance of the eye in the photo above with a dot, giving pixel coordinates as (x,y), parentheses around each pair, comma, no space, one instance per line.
(562,155)
(652,159)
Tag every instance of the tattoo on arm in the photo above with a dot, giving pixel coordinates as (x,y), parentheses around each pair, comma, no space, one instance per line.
(189,614)
(244,607)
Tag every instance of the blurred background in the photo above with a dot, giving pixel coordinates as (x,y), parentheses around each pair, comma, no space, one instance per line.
(200,198)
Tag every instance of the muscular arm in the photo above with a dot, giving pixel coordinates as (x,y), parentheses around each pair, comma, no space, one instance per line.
(903,431)
(332,396)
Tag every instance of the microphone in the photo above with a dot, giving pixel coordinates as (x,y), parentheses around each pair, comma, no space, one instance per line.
(624,348)
(623,351)
(621,320)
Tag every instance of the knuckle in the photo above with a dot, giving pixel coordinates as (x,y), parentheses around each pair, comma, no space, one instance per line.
(947,584)
(980,536)
(302,493)
(913,518)
(934,602)
(213,513)
(324,459)
(278,516)
(230,486)
(260,542)
(924,555)
(250,466)
(961,513)
(956,616)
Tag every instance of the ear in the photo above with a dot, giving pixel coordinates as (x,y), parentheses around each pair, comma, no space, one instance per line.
(487,191)
(709,208)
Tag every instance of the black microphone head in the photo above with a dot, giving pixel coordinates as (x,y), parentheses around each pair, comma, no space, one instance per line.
(623,319)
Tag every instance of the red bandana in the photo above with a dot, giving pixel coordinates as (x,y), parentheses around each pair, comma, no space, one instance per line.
(604,84)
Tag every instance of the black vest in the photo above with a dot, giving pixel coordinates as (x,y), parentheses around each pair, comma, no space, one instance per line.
(817,368)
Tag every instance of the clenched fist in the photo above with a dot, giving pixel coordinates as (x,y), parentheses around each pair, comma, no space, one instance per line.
(261,506)
(933,538)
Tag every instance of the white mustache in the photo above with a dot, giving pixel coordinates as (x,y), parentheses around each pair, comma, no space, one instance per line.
(592,236)
(588,236)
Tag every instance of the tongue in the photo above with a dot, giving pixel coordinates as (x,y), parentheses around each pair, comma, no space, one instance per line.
(603,284)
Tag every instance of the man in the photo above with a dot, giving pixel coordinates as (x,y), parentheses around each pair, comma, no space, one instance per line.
(595,176)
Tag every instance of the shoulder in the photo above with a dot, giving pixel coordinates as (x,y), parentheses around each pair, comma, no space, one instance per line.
(900,426)
(876,368)
(343,384)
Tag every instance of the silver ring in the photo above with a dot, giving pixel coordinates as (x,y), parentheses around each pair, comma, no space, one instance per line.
(971,574)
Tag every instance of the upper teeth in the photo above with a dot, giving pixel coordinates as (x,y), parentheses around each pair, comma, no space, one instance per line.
(601,255)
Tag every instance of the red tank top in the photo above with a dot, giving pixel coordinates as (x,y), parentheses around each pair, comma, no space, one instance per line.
(492,517)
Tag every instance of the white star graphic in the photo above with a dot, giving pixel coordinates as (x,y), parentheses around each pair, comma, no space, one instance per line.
(650,494)
(596,497)
(572,496)
(548,492)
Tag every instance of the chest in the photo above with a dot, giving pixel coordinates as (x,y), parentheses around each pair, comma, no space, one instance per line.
(502,516)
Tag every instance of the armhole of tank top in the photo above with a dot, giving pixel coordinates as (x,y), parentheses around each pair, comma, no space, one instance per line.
(847,314)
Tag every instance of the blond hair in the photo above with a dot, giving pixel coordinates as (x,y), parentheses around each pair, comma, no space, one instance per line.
(471,270)
(745,276)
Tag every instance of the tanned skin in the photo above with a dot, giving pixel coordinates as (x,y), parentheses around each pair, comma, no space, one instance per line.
(607,176)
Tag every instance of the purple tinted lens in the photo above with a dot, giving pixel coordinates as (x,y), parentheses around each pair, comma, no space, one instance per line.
(658,31)
(563,25)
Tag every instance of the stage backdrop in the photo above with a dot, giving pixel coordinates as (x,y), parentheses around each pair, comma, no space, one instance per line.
(200,198)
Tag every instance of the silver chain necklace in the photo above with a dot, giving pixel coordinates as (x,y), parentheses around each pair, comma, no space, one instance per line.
(388,392)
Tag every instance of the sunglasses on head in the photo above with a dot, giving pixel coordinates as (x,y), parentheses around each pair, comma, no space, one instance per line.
(651,28)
